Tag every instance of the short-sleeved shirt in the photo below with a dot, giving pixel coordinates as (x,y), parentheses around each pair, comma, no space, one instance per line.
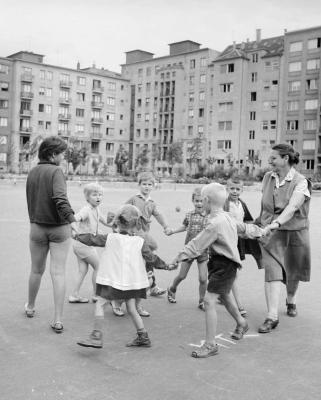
(89,219)
(195,222)
(147,207)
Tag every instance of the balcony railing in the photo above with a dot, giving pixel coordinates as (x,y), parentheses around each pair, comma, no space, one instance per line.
(64,116)
(25,129)
(97,104)
(97,120)
(96,135)
(26,113)
(26,95)
(65,84)
(26,77)
(63,100)
(63,132)
(98,89)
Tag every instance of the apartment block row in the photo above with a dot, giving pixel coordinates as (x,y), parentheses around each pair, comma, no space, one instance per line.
(225,108)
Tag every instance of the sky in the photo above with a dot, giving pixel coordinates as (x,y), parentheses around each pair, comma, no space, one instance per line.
(100,31)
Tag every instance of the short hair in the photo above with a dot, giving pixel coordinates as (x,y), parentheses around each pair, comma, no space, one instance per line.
(236,180)
(287,150)
(128,217)
(92,187)
(50,146)
(146,176)
(196,192)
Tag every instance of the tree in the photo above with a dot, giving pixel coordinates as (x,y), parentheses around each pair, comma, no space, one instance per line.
(121,159)
(174,154)
(155,155)
(194,152)
(142,159)
(95,162)
(30,151)
(76,155)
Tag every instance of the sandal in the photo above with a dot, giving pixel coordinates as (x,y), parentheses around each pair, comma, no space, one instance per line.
(30,313)
(57,327)
(117,310)
(206,350)
(77,299)
(243,312)
(171,296)
(239,332)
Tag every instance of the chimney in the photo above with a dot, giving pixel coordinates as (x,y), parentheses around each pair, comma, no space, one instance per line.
(234,44)
(247,40)
(242,45)
(94,65)
(78,65)
(258,35)
(285,31)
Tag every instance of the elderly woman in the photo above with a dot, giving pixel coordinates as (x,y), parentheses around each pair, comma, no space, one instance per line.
(286,252)
(51,220)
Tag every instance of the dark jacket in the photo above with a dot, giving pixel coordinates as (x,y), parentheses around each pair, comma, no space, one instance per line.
(247,246)
(47,196)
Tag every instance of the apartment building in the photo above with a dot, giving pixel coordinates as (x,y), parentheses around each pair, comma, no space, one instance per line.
(301,101)
(87,106)
(244,99)
(5,111)
(168,100)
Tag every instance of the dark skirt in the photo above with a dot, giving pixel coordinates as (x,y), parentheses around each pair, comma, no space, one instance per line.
(110,293)
(221,274)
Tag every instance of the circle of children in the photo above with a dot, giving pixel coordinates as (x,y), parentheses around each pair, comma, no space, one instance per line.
(218,235)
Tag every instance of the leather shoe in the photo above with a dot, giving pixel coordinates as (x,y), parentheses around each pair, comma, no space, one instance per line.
(291,310)
(268,325)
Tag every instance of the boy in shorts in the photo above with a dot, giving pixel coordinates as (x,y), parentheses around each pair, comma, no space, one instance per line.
(220,237)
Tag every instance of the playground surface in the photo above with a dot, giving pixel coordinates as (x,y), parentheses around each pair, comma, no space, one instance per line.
(37,364)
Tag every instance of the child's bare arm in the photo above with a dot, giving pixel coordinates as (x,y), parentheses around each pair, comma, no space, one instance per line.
(181,228)
(249,231)
(92,240)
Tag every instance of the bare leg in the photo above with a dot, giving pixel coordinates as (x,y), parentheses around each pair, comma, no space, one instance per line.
(99,313)
(236,293)
(82,272)
(58,257)
(93,260)
(39,254)
(185,266)
(233,310)
(202,277)
(210,317)
(136,318)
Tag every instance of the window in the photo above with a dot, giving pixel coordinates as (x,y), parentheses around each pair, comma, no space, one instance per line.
(267,66)
(191,97)
(42,91)
(81,80)
(295,66)
(201,112)
(224,144)
(48,92)
(253,96)
(63,111)
(80,128)
(110,131)
(110,147)
(314,43)
(148,85)
(155,116)
(139,87)
(40,124)
(292,143)
(4,104)
(4,86)
(190,113)
(139,102)
(310,124)
(138,132)
(140,71)
(146,117)
(292,125)
(226,87)
(148,71)
(203,78)
(147,101)
(295,46)
(3,121)
(292,105)
(191,80)
(265,125)
(154,132)
(48,125)
(192,64)
(309,164)
(111,101)
(110,116)
(251,153)
(111,86)
(203,62)
(121,117)
(227,68)
(62,126)
(202,96)
(64,94)
(275,65)
(80,112)
(254,76)
(313,64)
(266,105)
(94,147)
(155,85)
(48,109)
(64,77)
(311,84)
(95,114)
(308,144)
(223,107)
(96,84)
(190,130)
(275,84)
(200,129)
(146,133)
(139,117)
(4,69)
(251,135)
(225,125)
(42,74)
(49,75)
(311,104)
(41,107)
(273,124)
(255,58)
(294,86)
(266,86)
(252,115)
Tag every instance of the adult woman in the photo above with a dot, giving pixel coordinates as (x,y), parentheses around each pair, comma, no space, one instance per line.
(284,211)
(50,217)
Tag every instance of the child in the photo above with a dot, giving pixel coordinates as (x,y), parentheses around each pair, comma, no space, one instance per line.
(88,219)
(194,222)
(220,236)
(238,210)
(147,207)
(122,273)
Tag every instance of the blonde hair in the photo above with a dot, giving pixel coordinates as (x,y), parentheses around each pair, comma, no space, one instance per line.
(128,218)
(92,187)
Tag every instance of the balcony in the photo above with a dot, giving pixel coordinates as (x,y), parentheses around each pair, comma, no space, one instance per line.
(26,113)
(25,129)
(65,84)
(63,100)
(96,135)
(63,132)
(26,77)
(64,117)
(26,95)
(98,89)
(97,104)
(97,121)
